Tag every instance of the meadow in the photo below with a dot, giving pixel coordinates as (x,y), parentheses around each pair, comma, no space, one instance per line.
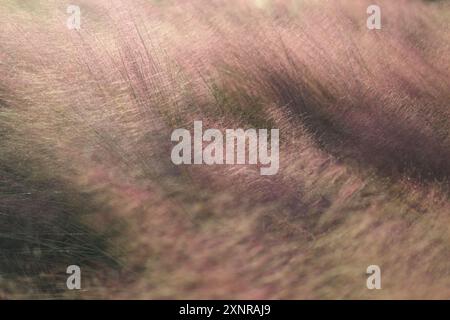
(86,178)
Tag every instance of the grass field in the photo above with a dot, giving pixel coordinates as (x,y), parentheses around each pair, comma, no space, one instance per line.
(86,177)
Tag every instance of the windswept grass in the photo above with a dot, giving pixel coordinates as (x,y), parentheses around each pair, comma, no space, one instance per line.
(85,170)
